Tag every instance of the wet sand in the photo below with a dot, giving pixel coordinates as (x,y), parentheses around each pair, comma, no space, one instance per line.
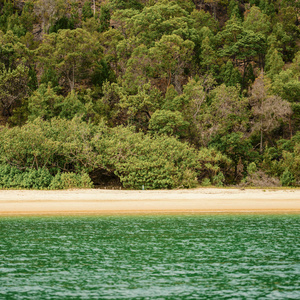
(112,202)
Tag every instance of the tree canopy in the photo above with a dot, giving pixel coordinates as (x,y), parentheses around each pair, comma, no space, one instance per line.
(158,93)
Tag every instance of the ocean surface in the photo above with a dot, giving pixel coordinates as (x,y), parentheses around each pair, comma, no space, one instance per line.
(150,257)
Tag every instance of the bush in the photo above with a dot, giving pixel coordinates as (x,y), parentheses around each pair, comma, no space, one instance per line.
(12,177)
(251,169)
(287,178)
(206,182)
(218,180)
(212,162)
(70,181)
(58,145)
(153,161)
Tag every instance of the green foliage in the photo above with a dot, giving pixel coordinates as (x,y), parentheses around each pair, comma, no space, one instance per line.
(252,168)
(12,177)
(62,23)
(87,10)
(212,162)
(225,77)
(155,162)
(168,122)
(70,181)
(104,18)
(218,180)
(233,9)
(238,149)
(206,182)
(126,4)
(6,11)
(170,56)
(58,144)
(257,21)
(13,87)
(230,75)
(12,51)
(44,103)
(287,178)
(274,63)
(204,19)
(72,53)
(163,18)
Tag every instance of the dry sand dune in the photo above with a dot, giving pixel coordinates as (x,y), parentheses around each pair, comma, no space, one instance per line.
(100,201)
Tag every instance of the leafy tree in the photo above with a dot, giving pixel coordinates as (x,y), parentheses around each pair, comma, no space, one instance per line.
(268,110)
(226,113)
(138,70)
(126,4)
(257,21)
(13,87)
(62,23)
(233,9)
(58,145)
(170,56)
(87,10)
(172,100)
(241,45)
(104,18)
(44,103)
(6,11)
(230,75)
(204,19)
(111,40)
(155,162)
(208,54)
(71,52)
(141,105)
(235,147)
(168,122)
(274,63)
(211,163)
(12,51)
(287,32)
(163,18)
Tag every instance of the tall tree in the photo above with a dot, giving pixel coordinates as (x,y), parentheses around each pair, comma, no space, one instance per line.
(268,110)
(13,87)
(72,53)
(170,55)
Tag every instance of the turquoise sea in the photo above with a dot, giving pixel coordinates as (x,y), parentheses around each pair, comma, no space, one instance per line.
(150,257)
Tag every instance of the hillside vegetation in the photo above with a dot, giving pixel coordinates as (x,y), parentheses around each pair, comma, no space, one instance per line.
(153,93)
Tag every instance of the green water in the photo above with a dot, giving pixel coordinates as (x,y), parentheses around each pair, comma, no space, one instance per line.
(157,257)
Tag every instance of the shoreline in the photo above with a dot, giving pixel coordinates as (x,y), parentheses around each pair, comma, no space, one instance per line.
(138,202)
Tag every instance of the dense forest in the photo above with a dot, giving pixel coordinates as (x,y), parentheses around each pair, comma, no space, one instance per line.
(153,93)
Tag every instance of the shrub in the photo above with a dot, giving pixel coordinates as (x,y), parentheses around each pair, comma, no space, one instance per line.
(251,169)
(71,181)
(206,182)
(153,161)
(218,180)
(12,177)
(287,178)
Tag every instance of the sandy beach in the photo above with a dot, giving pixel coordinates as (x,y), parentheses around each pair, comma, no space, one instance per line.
(111,202)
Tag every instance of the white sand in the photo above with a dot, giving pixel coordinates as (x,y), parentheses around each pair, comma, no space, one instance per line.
(100,201)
